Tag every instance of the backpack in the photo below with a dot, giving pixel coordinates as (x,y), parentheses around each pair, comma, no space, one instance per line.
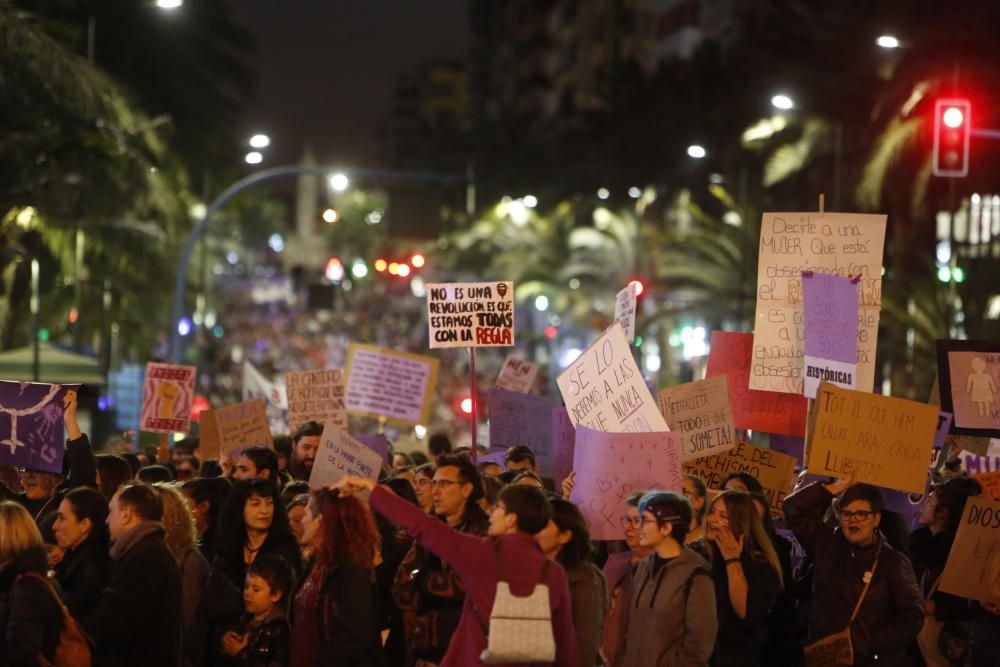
(73,649)
(520,627)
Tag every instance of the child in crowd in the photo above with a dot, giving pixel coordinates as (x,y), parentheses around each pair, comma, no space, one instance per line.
(262,637)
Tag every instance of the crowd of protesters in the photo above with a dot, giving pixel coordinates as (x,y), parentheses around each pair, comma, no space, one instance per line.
(175,562)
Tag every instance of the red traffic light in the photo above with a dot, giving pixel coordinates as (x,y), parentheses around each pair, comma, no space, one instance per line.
(466,406)
(639,287)
(952,130)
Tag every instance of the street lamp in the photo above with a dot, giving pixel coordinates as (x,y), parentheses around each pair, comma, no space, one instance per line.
(169,4)
(888,42)
(339,182)
(696,151)
(783,102)
(254,157)
(260,141)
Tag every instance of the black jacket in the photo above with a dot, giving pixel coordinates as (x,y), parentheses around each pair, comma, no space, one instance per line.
(138,618)
(30,616)
(80,468)
(83,574)
(929,553)
(892,613)
(268,643)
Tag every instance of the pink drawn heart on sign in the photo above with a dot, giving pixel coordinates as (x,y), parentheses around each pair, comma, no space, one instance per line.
(603,485)
(597,505)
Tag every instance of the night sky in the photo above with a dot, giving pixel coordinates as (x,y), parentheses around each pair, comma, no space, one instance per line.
(327,68)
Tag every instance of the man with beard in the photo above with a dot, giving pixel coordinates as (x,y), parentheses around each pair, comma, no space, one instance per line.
(305,444)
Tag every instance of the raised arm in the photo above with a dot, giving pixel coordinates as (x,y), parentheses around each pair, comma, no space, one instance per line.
(804,512)
(79,454)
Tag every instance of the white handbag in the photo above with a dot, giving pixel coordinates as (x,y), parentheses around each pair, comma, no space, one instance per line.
(520,627)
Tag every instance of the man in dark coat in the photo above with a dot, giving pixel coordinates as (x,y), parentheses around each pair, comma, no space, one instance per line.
(138,619)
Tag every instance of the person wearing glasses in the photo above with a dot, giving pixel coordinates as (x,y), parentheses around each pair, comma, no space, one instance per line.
(672,618)
(423,478)
(619,570)
(427,590)
(845,559)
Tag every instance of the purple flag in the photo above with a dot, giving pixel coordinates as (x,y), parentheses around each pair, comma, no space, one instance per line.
(31,425)
(830,305)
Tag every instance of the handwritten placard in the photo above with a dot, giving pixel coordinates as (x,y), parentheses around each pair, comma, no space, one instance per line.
(973,567)
(563,442)
(470,314)
(256,385)
(885,441)
(521,419)
(969,374)
(167,397)
(990,481)
(316,396)
(943,428)
(604,390)
(31,425)
(611,466)
(701,413)
(774,470)
(234,427)
(339,455)
(831,330)
(768,411)
(838,244)
(625,302)
(394,385)
(517,375)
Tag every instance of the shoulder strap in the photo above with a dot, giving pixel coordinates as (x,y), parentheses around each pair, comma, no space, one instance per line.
(868,583)
(690,581)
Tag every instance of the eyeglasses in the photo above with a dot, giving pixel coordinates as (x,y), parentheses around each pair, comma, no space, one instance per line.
(423,481)
(859,515)
(443,483)
(630,522)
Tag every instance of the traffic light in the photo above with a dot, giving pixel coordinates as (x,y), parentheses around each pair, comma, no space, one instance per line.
(639,287)
(952,129)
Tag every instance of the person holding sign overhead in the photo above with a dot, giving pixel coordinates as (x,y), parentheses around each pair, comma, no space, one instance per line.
(865,596)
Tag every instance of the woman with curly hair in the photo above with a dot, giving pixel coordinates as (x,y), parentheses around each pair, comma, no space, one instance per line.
(335,620)
(182,540)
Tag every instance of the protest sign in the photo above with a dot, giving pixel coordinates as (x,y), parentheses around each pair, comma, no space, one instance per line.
(885,441)
(517,375)
(604,390)
(339,454)
(275,398)
(167,396)
(383,383)
(990,462)
(774,470)
(969,376)
(973,567)
(792,445)
(378,444)
(701,413)
(974,444)
(563,440)
(316,396)
(235,427)
(31,425)
(990,481)
(625,311)
(611,466)
(768,411)
(499,458)
(470,314)
(838,244)
(830,309)
(943,427)
(520,419)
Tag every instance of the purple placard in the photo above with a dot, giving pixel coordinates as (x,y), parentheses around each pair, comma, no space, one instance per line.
(944,426)
(523,419)
(792,445)
(830,325)
(493,457)
(563,441)
(377,443)
(31,425)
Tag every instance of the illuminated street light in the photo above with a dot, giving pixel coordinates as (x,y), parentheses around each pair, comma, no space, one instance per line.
(783,102)
(887,42)
(404,270)
(634,192)
(169,4)
(602,193)
(359,269)
(531,201)
(417,261)
(331,216)
(541,303)
(696,151)
(254,157)
(339,182)
(260,141)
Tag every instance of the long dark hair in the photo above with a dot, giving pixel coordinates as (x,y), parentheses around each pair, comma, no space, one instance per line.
(746,522)
(567,516)
(114,471)
(232,530)
(88,503)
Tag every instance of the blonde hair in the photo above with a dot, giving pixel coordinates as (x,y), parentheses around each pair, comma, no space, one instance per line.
(18,532)
(181,529)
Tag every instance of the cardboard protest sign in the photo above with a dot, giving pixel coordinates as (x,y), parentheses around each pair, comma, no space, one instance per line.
(234,427)
(769,411)
(973,444)
(31,425)
(838,244)
(625,310)
(339,455)
(774,470)
(943,427)
(973,567)
(167,396)
(990,481)
(611,466)
(384,383)
(830,306)
(604,390)
(563,442)
(520,419)
(316,396)
(886,441)
(701,413)
(275,398)
(377,443)
(969,375)
(517,375)
(470,314)
(990,462)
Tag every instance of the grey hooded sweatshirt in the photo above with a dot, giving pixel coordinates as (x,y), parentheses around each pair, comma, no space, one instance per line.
(664,628)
